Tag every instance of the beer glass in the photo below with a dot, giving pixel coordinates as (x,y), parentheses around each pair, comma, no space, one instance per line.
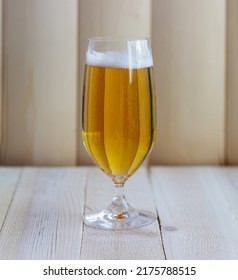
(118,120)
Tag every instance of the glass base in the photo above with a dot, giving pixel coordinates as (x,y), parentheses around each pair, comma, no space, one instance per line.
(119,215)
(107,219)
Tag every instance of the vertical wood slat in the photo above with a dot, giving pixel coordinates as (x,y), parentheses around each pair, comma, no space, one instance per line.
(40,82)
(232,83)
(108,18)
(189,57)
(1,51)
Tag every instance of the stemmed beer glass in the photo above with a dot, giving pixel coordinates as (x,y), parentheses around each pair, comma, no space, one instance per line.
(118,120)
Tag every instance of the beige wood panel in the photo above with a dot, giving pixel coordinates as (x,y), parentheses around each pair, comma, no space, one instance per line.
(40,82)
(108,18)
(189,58)
(1,44)
(232,83)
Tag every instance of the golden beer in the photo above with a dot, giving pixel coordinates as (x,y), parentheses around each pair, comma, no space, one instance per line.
(118,117)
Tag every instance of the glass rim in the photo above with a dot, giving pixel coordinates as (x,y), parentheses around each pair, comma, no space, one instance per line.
(118,38)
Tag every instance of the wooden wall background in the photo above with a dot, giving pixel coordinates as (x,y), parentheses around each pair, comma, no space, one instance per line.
(195,47)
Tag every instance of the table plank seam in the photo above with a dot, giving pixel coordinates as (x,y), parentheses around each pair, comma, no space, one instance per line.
(12,198)
(157,211)
(84,210)
(161,234)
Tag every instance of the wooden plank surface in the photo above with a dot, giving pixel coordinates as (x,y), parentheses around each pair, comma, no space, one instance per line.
(198,212)
(142,243)
(41,212)
(45,218)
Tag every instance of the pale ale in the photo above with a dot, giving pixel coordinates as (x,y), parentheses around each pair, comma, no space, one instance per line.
(118,114)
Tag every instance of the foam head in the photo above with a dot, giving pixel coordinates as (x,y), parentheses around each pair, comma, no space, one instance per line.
(132,54)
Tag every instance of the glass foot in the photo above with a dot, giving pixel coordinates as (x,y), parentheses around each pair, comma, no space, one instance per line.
(107,219)
(119,215)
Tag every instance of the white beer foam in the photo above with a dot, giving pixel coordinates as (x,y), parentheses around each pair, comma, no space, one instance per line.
(119,60)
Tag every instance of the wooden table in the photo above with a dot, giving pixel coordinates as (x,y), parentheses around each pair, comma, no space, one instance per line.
(41,213)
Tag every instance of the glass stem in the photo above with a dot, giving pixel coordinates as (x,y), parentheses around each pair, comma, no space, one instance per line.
(119,198)
(119,205)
